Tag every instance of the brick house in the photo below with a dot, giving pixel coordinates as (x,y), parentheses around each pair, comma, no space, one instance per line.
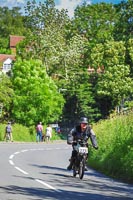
(14,40)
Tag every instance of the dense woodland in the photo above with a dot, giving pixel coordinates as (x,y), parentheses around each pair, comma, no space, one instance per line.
(50,80)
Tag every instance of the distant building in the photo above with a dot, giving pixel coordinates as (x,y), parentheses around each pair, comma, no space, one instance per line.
(6,60)
(14,40)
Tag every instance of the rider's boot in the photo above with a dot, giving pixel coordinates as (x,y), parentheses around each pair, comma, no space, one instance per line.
(86,167)
(71,164)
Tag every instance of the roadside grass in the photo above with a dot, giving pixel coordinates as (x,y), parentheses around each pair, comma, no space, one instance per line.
(115,154)
(115,139)
(25,134)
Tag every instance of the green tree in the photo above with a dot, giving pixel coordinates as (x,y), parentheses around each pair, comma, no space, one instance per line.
(123,30)
(115,84)
(124,26)
(36,96)
(11,23)
(6,95)
(61,53)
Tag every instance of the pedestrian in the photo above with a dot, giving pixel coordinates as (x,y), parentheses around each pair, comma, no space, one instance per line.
(8,132)
(48,134)
(39,131)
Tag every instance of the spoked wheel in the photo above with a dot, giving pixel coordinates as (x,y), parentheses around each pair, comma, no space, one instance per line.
(74,169)
(81,169)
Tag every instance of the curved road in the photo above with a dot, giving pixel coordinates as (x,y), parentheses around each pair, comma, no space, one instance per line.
(31,171)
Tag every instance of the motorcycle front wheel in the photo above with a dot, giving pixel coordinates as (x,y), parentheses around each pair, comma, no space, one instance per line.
(81,168)
(75,172)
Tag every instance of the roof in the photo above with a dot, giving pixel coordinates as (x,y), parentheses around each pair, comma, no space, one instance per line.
(14,40)
(4,57)
(8,61)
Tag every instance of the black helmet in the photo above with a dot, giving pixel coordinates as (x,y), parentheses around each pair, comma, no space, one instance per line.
(83,120)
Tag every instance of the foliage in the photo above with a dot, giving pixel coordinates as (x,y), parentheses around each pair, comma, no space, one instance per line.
(26,134)
(99,36)
(61,54)
(114,156)
(11,23)
(36,96)
(96,21)
(6,94)
(124,26)
(115,84)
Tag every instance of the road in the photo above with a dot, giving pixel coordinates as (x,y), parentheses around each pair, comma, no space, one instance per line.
(37,171)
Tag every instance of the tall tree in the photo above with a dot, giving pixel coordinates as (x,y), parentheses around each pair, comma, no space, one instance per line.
(6,96)
(36,96)
(124,26)
(62,55)
(11,23)
(115,84)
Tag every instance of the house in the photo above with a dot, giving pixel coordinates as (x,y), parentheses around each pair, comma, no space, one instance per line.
(6,61)
(14,40)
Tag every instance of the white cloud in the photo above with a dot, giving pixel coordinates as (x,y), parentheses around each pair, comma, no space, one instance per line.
(69,5)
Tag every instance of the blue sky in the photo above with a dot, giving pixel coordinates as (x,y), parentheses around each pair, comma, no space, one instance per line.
(70,5)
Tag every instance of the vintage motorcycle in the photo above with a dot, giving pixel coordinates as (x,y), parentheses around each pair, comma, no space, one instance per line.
(81,148)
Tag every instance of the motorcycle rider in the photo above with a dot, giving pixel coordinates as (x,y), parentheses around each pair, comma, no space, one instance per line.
(81,131)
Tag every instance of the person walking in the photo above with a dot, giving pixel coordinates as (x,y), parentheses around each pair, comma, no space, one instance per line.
(8,132)
(39,130)
(48,134)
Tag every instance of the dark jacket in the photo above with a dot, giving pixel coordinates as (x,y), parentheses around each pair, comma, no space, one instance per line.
(76,134)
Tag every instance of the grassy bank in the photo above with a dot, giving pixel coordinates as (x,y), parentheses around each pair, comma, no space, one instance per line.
(115,139)
(24,134)
(115,154)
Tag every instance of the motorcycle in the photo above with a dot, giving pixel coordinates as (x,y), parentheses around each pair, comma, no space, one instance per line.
(79,162)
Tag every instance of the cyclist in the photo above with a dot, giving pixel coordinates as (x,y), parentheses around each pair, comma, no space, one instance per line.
(81,131)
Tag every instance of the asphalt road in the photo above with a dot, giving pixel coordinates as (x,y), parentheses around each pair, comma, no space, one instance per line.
(31,171)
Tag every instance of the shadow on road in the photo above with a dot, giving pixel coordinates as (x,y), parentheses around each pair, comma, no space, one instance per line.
(41,194)
(94,186)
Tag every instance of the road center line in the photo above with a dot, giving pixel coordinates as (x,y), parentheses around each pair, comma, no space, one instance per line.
(26,173)
(47,185)
(21,170)
(11,162)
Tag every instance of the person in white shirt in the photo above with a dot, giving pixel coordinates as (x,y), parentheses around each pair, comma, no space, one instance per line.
(48,133)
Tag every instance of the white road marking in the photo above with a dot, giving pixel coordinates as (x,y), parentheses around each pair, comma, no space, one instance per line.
(17,152)
(47,185)
(11,162)
(24,150)
(11,156)
(21,170)
(26,173)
